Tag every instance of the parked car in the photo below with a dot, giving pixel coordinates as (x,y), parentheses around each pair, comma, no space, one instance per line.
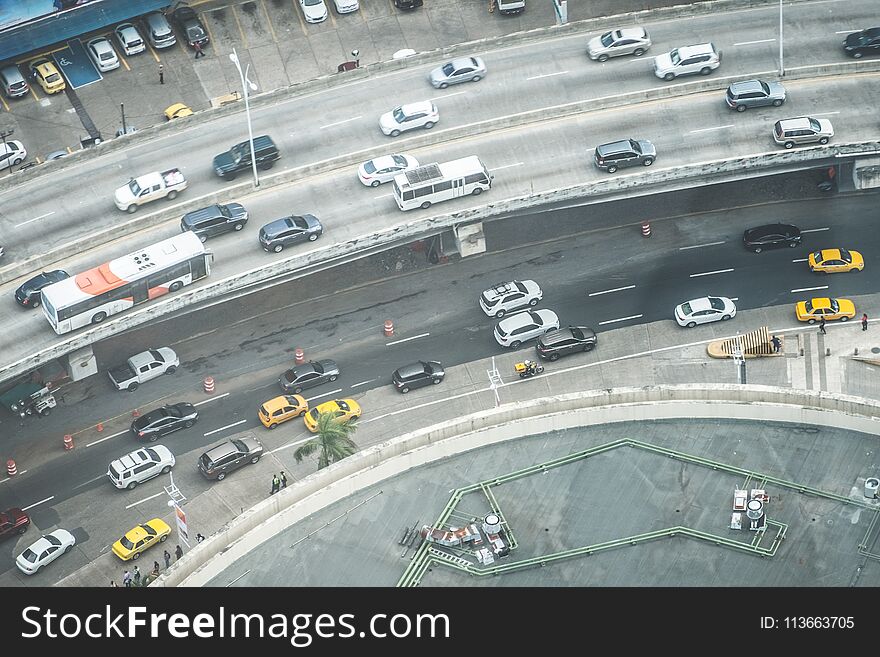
(802,130)
(625,41)
(215,220)
(754,93)
(139,539)
(864,42)
(308,375)
(13,521)
(771,236)
(28,293)
(565,341)
(294,229)
(510,7)
(238,158)
(11,153)
(162,421)
(814,310)
(423,114)
(834,261)
(144,366)
(408,4)
(512,331)
(702,58)
(14,84)
(315,11)
(139,466)
(191,26)
(418,374)
(159,31)
(177,111)
(463,69)
(704,310)
(346,6)
(625,153)
(129,39)
(344,410)
(281,409)
(500,299)
(44,551)
(229,456)
(380,170)
(45,73)
(102,54)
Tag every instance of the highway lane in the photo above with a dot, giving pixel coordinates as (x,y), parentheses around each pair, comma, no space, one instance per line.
(328,123)
(543,157)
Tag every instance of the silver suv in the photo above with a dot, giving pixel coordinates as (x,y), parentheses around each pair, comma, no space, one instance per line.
(702,58)
(500,299)
(754,93)
(802,130)
(227,457)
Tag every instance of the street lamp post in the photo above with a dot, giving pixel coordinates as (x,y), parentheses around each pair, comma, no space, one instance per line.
(245,84)
(3,135)
(781,65)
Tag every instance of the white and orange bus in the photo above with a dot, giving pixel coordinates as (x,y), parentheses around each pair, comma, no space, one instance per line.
(95,294)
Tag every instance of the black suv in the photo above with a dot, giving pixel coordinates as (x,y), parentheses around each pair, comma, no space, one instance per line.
(625,153)
(171,417)
(214,220)
(28,294)
(191,26)
(417,374)
(866,42)
(771,236)
(564,341)
(238,158)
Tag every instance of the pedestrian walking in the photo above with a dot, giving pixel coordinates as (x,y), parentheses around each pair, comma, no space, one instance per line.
(126,578)
(161,74)
(777,344)
(178,551)
(137,576)
(113,584)
(276,484)
(199,538)
(167,556)
(156,568)
(283,480)
(864,321)
(198,48)
(822,326)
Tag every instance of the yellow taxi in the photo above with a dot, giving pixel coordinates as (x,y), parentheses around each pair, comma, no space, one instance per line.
(177,111)
(141,538)
(46,74)
(281,409)
(343,409)
(815,309)
(833,261)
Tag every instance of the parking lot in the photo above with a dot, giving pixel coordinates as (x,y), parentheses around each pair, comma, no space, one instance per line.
(272,38)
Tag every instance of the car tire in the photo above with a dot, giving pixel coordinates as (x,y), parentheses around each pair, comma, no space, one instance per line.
(22,530)
(221,476)
(554,356)
(132,387)
(188,424)
(844,319)
(857,55)
(68,549)
(811,321)
(741,108)
(404,390)
(203,238)
(638,52)
(171,370)
(589,347)
(500,314)
(669,77)
(375,183)
(823,141)
(724,318)
(164,538)
(648,161)
(45,412)
(229,176)
(172,195)
(533,303)
(691,324)
(278,248)
(777,103)
(429,125)
(789,144)
(602,58)
(166,469)
(237,227)
(271,426)
(131,209)
(153,437)
(443,85)
(515,344)
(611,169)
(255,460)
(136,556)
(758,249)
(99,317)
(35,304)
(791,245)
(476,78)
(705,70)
(302,414)
(313,237)
(426,205)
(17,161)
(131,486)
(265,166)
(395,133)
(334,377)
(175,286)
(296,391)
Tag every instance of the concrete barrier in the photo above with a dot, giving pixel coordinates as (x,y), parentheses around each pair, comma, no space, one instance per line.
(509,422)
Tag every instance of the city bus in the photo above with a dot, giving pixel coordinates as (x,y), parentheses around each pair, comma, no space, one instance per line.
(95,294)
(428,184)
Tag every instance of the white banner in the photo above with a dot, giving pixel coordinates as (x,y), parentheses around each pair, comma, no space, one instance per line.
(182,530)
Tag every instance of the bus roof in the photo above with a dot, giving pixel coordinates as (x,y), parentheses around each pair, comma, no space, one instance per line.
(430,172)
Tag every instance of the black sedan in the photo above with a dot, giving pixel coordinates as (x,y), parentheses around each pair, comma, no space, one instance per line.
(171,417)
(308,375)
(564,341)
(771,236)
(28,295)
(283,232)
(866,42)
(191,26)
(418,374)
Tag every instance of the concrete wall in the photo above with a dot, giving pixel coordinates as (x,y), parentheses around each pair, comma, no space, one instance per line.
(508,422)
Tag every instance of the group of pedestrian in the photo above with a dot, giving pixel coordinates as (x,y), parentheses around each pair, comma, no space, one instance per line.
(130,579)
(777,343)
(278,484)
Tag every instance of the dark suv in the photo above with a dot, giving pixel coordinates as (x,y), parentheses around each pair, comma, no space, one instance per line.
(564,341)
(294,229)
(238,158)
(866,42)
(227,457)
(215,220)
(191,26)
(625,153)
(418,374)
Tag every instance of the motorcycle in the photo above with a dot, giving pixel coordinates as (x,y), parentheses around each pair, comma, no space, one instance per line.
(527,369)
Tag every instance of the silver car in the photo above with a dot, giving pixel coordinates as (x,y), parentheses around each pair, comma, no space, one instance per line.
(754,93)
(129,39)
(45,550)
(625,41)
(802,130)
(379,170)
(464,69)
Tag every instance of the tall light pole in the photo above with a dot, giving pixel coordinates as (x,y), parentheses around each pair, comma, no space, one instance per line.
(245,84)
(781,66)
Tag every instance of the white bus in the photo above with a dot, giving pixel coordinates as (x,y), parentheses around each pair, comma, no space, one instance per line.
(422,186)
(95,294)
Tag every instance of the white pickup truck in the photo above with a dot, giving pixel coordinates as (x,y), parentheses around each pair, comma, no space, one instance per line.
(149,187)
(144,366)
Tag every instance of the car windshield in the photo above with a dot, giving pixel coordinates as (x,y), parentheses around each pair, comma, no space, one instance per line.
(814,124)
(448,69)
(312,3)
(134,187)
(845,255)
(686,308)
(834,306)
(315,413)
(318,368)
(398,114)
(607,39)
(152,455)
(716,303)
(240,446)
(297,222)
(343,406)
(172,411)
(674,56)
(225,211)
(150,531)
(370,166)
(399,160)
(577,334)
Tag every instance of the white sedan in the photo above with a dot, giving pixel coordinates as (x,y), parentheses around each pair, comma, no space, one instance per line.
(704,310)
(315,11)
(45,550)
(102,54)
(346,6)
(380,170)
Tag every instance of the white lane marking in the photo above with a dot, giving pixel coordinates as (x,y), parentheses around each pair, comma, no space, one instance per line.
(86,483)
(733,298)
(616,289)
(415,337)
(810,289)
(28,508)
(621,319)
(330,125)
(720,127)
(507,166)
(2,481)
(146,499)
(457,93)
(846,31)
(822,113)
(815,230)
(546,75)
(42,216)
(383,196)
(289,445)
(228,426)
(112,435)
(326,394)
(248,570)
(699,246)
(207,401)
(800,260)
(363,383)
(710,273)
(749,43)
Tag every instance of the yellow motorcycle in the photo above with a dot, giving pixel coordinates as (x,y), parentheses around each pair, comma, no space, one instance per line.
(528,368)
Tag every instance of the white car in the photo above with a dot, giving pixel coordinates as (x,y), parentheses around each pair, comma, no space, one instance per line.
(12,152)
(380,170)
(140,465)
(514,330)
(704,310)
(500,299)
(102,54)
(129,39)
(45,550)
(315,11)
(702,58)
(423,114)
(346,6)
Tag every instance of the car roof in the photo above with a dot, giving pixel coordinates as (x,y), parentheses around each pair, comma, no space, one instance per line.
(632,32)
(799,122)
(747,85)
(615,146)
(411,369)
(770,229)
(277,402)
(697,49)
(420,106)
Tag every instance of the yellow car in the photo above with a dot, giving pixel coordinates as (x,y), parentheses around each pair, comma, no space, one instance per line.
(281,409)
(140,539)
(832,261)
(177,111)
(46,74)
(343,409)
(815,309)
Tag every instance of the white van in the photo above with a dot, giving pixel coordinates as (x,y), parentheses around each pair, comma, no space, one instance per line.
(140,465)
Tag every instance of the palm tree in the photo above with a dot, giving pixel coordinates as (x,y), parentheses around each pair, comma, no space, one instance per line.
(332,440)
